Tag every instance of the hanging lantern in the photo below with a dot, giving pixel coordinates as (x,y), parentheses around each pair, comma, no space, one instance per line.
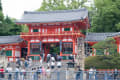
(52,45)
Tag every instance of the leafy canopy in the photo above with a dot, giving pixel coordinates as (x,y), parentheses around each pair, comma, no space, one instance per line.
(108,44)
(7,26)
(103,62)
(48,5)
(106,16)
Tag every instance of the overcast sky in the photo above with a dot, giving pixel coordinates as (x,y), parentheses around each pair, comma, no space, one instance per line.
(15,8)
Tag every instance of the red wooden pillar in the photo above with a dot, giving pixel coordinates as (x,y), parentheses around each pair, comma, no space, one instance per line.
(73,46)
(60,53)
(118,46)
(60,47)
(28,48)
(13,53)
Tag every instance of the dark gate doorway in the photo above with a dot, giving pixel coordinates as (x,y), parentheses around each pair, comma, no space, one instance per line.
(23,53)
(52,48)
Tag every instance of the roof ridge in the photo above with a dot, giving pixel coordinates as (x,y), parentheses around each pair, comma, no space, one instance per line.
(56,11)
(102,32)
(10,36)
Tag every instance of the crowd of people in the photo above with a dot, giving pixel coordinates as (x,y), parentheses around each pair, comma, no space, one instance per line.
(25,67)
(54,60)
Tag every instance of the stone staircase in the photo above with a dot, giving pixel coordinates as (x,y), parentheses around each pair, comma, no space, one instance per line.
(44,64)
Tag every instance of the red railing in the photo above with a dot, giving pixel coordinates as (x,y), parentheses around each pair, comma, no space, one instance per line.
(50,33)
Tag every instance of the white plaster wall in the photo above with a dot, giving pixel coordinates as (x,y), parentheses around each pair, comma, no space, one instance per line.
(62,29)
(67,40)
(75,48)
(58,29)
(50,40)
(31,30)
(10,59)
(43,30)
(39,30)
(71,29)
(17,53)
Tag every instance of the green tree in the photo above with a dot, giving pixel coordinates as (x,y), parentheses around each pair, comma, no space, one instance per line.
(0,6)
(10,27)
(108,44)
(7,26)
(2,29)
(48,5)
(106,16)
(103,62)
(8,20)
(24,28)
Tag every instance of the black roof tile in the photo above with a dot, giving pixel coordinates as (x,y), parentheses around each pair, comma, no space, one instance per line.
(53,16)
(10,39)
(93,37)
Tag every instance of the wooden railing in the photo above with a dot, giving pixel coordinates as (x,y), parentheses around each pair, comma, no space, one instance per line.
(50,33)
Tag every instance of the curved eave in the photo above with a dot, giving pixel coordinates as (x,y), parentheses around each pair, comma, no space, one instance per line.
(59,22)
(9,44)
(12,43)
(23,22)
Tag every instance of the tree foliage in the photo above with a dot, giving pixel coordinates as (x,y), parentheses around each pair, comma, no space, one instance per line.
(24,28)
(103,62)
(48,5)
(7,26)
(55,49)
(106,16)
(0,6)
(108,44)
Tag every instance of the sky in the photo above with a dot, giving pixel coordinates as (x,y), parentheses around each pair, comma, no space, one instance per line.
(16,8)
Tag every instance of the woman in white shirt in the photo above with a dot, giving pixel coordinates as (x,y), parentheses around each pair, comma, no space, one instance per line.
(48,72)
(9,70)
(52,65)
(22,73)
(52,59)
(59,64)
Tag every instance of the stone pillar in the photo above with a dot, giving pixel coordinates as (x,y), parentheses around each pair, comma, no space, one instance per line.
(80,54)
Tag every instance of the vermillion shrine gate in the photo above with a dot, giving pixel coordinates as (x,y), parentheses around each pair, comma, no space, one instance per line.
(54,28)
